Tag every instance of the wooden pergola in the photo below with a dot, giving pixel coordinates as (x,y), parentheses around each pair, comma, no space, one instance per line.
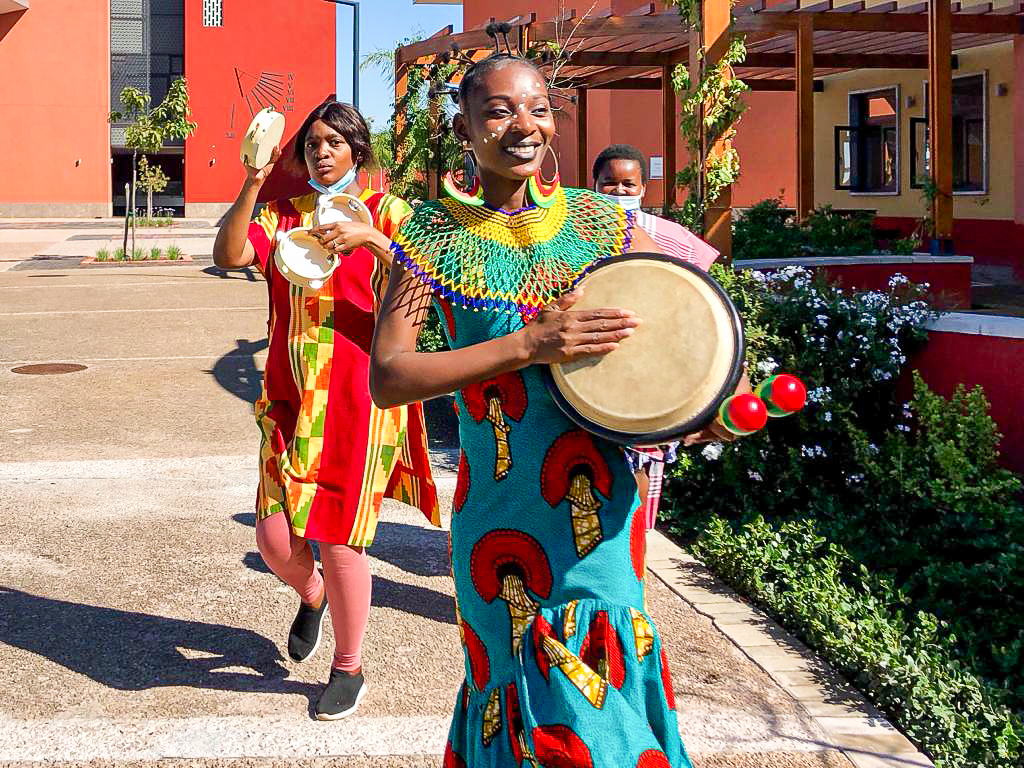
(789,44)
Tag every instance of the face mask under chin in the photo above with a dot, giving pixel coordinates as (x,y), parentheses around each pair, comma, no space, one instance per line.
(627,202)
(339,186)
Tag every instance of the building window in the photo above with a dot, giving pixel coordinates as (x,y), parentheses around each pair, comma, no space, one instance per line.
(970,138)
(867,151)
(213,13)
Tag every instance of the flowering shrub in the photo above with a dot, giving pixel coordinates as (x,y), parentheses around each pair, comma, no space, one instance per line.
(910,490)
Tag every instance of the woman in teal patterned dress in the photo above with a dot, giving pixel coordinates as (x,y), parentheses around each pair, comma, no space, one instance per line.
(563,665)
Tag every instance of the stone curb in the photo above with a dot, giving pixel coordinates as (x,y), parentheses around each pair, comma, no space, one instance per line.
(852,725)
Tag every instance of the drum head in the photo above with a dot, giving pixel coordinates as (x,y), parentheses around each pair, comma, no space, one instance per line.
(341,207)
(265,132)
(669,378)
(301,259)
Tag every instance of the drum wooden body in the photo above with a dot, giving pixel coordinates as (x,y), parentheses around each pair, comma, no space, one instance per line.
(669,378)
(264,133)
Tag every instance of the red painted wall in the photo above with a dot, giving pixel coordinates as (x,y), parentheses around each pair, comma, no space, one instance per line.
(995,364)
(994,242)
(282,54)
(54,101)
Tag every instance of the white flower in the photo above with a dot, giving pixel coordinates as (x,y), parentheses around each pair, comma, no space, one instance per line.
(767,366)
(760,277)
(897,280)
(712,451)
(827,416)
(902,427)
(754,475)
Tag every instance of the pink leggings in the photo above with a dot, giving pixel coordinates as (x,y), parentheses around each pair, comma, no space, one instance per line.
(346,577)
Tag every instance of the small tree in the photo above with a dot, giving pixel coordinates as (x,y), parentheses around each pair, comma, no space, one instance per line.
(149,128)
(152,179)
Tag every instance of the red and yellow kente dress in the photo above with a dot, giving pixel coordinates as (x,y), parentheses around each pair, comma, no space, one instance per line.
(328,455)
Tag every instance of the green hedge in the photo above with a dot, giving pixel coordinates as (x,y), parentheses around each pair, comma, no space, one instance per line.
(910,491)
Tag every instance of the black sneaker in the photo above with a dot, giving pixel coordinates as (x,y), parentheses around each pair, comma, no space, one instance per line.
(307,629)
(341,696)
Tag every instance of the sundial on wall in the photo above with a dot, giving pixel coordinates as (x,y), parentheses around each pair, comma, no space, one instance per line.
(267,89)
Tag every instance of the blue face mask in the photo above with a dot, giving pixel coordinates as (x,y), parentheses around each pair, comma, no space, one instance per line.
(627,202)
(339,186)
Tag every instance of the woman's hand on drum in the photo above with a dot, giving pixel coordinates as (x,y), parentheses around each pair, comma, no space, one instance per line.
(258,175)
(559,334)
(342,237)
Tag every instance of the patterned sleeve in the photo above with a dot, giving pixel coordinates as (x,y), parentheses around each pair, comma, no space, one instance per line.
(392,213)
(261,234)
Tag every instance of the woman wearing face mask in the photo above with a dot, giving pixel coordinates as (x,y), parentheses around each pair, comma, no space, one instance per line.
(563,665)
(328,454)
(620,174)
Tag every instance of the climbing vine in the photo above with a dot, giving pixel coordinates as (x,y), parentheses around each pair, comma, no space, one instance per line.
(712,104)
(422,142)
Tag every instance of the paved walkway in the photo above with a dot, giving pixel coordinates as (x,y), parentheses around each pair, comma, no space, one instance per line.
(138,622)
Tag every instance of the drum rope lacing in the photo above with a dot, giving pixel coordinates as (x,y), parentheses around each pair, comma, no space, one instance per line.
(520,261)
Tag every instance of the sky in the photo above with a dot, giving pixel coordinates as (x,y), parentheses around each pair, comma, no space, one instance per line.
(382,24)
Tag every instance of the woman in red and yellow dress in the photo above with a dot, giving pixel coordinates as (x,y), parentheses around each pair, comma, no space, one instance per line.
(328,456)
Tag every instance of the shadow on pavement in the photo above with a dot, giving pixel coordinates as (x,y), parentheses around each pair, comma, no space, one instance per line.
(237,372)
(422,551)
(248,274)
(413,599)
(131,651)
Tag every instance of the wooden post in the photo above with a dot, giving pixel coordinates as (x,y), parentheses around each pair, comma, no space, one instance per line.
(940,121)
(715,21)
(582,153)
(805,117)
(668,118)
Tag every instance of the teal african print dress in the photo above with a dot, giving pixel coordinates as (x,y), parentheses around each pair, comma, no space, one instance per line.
(563,665)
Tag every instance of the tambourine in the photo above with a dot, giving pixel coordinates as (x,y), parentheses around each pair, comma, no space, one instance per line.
(340,207)
(671,376)
(264,133)
(302,260)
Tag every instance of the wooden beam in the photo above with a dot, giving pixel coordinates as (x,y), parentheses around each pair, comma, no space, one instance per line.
(840,60)
(628,84)
(401,89)
(654,84)
(615,75)
(870,21)
(617,59)
(940,122)
(582,151)
(805,119)
(775,86)
(668,117)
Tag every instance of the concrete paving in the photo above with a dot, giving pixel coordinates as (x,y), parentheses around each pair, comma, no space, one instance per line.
(137,620)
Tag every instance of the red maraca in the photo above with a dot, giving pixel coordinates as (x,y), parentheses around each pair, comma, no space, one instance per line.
(782,394)
(743,414)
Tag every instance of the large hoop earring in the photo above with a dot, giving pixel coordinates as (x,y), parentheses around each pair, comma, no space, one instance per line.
(543,193)
(473,195)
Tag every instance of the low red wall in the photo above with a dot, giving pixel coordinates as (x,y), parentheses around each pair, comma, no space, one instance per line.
(992,242)
(949,283)
(989,353)
(949,278)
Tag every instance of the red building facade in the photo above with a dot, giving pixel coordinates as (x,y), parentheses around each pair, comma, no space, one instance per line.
(65,61)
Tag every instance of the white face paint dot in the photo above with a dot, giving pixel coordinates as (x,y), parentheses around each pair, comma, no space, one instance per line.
(494,135)
(485,141)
